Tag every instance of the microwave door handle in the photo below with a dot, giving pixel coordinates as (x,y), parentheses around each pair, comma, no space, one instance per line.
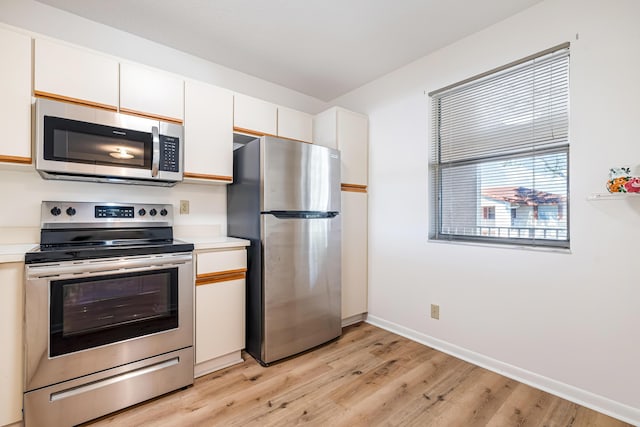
(155,160)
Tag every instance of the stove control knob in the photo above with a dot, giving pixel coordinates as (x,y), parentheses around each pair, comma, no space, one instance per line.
(163,212)
(71,211)
(142,212)
(55,211)
(153,212)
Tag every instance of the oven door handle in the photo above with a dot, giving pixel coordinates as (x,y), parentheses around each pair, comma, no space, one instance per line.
(115,266)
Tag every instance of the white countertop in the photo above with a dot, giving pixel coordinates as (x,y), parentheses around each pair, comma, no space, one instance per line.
(15,252)
(220,242)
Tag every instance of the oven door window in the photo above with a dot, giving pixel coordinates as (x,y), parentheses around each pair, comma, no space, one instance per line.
(95,311)
(73,141)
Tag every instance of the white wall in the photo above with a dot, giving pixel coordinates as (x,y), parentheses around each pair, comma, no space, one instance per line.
(22,190)
(565,322)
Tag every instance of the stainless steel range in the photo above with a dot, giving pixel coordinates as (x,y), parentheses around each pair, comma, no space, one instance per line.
(108,311)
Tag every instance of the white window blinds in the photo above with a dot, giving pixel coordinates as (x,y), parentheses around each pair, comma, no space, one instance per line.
(500,145)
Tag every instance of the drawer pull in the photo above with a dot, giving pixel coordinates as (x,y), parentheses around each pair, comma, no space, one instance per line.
(220,276)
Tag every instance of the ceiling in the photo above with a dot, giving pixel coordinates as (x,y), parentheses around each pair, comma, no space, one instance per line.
(322,48)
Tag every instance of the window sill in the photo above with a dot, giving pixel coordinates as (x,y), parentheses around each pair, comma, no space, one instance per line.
(547,249)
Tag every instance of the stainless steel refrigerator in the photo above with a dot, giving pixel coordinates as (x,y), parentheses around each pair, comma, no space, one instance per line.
(285,198)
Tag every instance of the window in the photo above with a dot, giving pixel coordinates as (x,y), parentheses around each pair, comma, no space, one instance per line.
(488,212)
(500,152)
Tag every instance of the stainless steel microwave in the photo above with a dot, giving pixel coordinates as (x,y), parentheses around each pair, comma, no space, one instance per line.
(74,142)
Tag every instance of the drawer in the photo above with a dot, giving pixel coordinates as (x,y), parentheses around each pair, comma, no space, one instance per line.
(221,261)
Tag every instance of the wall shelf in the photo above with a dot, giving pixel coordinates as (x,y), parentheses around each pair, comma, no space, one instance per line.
(612,196)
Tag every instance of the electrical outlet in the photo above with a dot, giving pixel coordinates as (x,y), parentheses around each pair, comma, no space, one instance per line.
(184,207)
(435,311)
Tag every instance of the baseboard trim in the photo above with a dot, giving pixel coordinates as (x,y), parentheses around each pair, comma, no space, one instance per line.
(218,363)
(582,397)
(354,319)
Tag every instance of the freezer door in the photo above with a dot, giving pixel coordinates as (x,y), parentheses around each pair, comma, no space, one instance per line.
(299,177)
(301,284)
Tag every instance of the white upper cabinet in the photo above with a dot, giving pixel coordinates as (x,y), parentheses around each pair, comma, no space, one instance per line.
(353,130)
(74,74)
(15,98)
(208,132)
(324,128)
(348,132)
(295,124)
(150,92)
(254,115)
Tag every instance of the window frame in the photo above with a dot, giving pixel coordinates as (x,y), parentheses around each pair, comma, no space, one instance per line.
(436,167)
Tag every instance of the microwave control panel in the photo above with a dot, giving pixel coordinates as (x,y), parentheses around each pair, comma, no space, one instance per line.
(169,153)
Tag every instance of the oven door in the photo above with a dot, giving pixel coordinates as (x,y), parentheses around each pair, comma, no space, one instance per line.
(85,316)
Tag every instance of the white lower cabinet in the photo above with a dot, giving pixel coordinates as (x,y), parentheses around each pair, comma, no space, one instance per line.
(11,366)
(219,309)
(354,255)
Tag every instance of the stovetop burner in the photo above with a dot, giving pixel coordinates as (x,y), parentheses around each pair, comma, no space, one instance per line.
(81,230)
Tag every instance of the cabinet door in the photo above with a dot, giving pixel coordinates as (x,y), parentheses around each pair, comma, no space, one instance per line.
(11,368)
(208,132)
(295,124)
(151,93)
(220,317)
(324,128)
(74,74)
(352,129)
(354,253)
(15,101)
(254,115)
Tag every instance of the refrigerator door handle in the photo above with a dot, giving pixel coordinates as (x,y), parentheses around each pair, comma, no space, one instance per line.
(302,214)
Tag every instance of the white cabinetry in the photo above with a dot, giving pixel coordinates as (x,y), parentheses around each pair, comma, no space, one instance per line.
(11,368)
(257,117)
(74,74)
(152,93)
(15,98)
(254,116)
(208,132)
(295,124)
(78,75)
(354,253)
(219,308)
(348,132)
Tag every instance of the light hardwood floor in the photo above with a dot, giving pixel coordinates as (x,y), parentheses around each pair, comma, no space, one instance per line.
(368,377)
